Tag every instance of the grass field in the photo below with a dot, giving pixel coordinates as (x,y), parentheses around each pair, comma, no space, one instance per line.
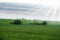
(25,31)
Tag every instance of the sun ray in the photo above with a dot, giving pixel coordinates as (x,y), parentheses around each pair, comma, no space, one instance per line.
(50,12)
(45,9)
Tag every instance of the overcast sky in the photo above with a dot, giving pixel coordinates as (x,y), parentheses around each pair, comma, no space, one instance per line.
(44,2)
(53,13)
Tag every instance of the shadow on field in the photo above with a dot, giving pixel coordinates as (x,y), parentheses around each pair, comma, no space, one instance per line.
(3,36)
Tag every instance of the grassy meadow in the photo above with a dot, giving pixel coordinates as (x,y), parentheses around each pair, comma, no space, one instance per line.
(25,31)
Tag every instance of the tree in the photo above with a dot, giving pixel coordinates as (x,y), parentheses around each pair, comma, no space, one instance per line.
(44,23)
(16,22)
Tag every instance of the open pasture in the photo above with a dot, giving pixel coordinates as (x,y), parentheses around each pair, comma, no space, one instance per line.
(25,31)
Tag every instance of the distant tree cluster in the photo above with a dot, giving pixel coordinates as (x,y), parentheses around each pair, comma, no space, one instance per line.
(19,22)
(16,22)
(36,23)
(44,23)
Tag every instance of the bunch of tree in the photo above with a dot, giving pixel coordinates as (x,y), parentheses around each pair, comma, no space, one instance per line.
(16,22)
(36,23)
(44,23)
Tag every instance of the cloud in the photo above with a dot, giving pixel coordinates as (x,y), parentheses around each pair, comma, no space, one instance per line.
(43,2)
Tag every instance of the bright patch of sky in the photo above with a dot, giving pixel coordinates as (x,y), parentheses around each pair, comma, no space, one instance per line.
(54,3)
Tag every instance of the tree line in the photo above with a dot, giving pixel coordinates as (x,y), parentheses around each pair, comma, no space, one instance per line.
(19,22)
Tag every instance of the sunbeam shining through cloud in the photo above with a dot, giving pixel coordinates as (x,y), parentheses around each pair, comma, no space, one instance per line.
(30,9)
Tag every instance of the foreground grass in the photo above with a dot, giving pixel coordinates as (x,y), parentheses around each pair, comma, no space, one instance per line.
(29,32)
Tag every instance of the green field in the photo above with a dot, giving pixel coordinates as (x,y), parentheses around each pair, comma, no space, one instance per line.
(25,31)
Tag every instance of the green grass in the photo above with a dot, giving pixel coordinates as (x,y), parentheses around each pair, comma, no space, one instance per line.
(29,32)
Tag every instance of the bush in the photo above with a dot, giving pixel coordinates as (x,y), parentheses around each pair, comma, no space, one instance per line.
(35,23)
(16,22)
(44,23)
